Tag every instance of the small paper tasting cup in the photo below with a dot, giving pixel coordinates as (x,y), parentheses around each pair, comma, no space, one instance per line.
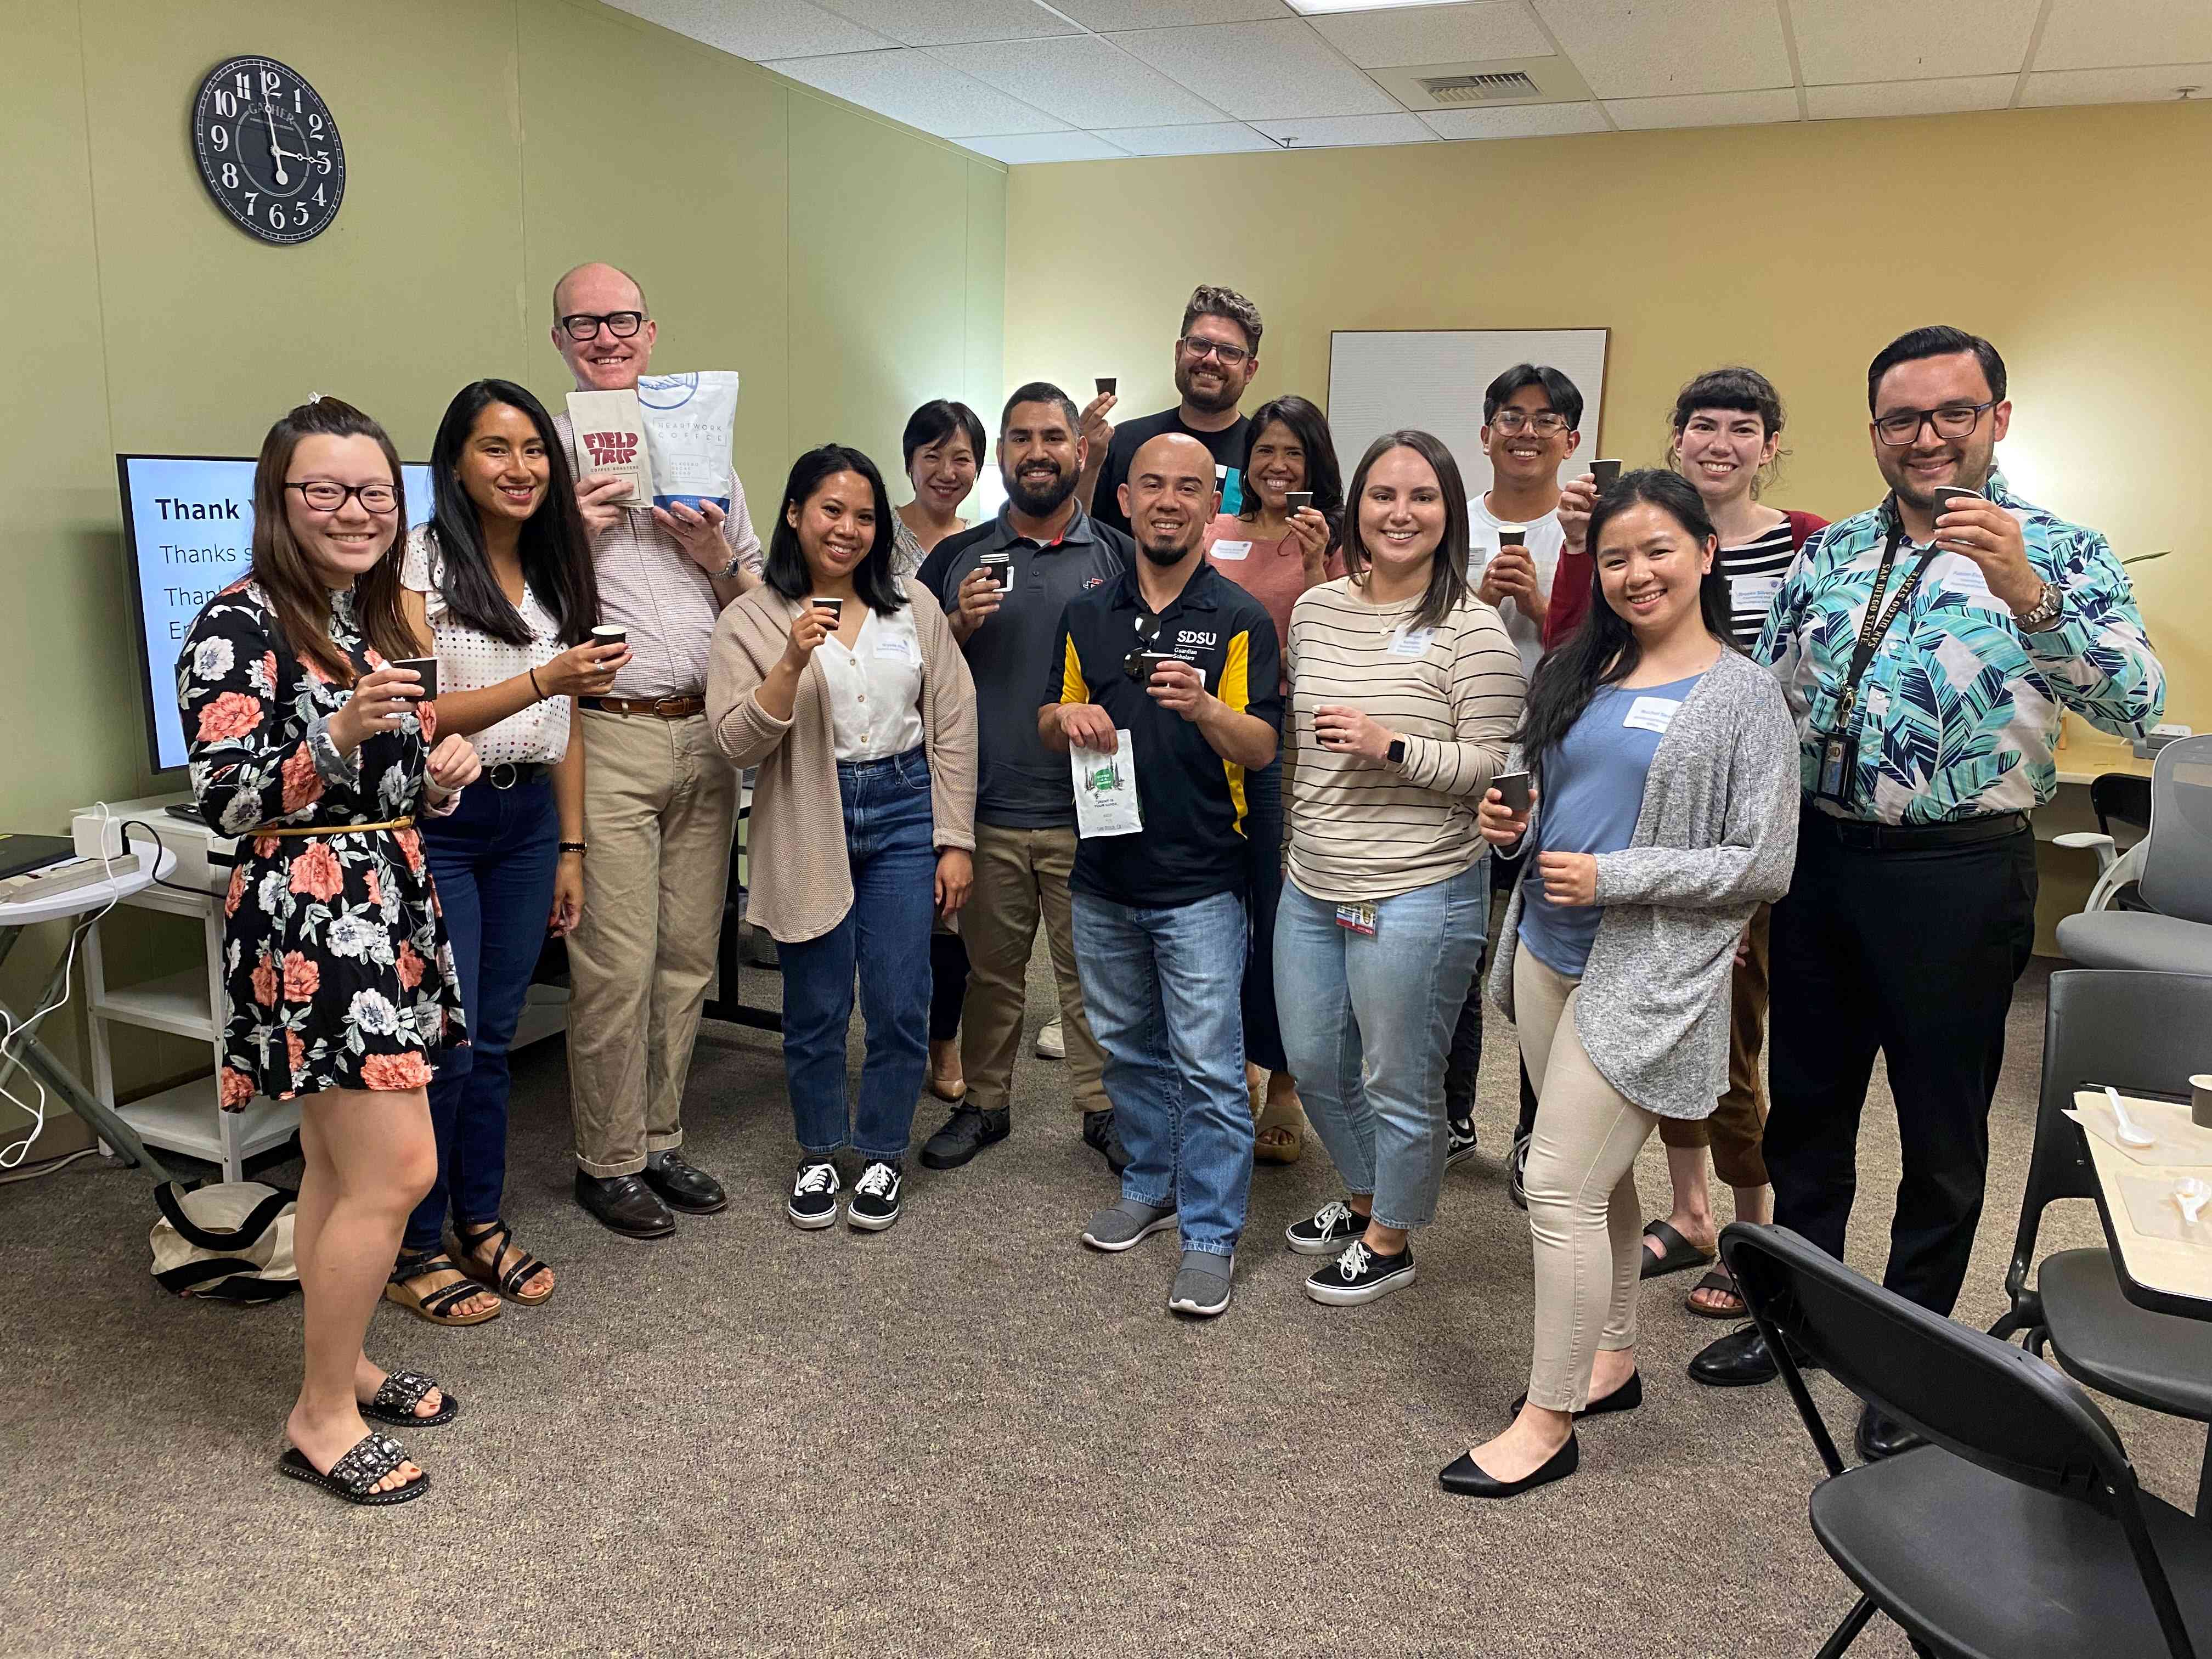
(2200,1100)
(606,634)
(1106,385)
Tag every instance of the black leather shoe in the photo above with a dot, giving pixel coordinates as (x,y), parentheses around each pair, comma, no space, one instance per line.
(686,1186)
(1103,1136)
(1466,1478)
(966,1132)
(1625,1398)
(1880,1436)
(1740,1360)
(625,1204)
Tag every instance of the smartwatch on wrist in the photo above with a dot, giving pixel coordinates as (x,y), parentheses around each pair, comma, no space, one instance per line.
(1396,752)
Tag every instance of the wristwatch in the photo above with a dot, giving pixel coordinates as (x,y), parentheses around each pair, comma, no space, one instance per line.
(730,568)
(575,846)
(2042,614)
(1396,752)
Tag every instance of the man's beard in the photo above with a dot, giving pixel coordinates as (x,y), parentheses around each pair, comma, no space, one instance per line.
(1214,401)
(1162,553)
(1040,503)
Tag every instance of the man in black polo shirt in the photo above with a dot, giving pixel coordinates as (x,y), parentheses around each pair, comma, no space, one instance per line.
(1185,663)
(1216,357)
(1003,585)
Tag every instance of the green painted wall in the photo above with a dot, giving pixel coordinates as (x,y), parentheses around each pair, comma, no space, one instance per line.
(848,268)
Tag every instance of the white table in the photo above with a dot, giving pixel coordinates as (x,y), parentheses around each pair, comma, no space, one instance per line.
(2165,1275)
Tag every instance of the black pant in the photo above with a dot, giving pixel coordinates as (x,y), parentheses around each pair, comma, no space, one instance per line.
(1913,953)
(1263,836)
(948,985)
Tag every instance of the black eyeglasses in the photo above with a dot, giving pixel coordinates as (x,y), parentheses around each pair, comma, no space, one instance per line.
(621,324)
(1197,349)
(325,495)
(1951,421)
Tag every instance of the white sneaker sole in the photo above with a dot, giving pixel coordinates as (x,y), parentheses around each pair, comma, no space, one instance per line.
(1318,1247)
(1461,1156)
(1116,1246)
(1367,1292)
(812,1223)
(870,1224)
(1185,1305)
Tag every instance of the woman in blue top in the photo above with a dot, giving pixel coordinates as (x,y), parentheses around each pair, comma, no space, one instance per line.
(1665,761)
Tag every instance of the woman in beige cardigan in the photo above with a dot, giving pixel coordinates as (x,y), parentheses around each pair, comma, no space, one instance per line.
(843,685)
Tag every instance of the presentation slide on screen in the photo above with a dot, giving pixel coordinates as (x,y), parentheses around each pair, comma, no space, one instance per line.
(188,523)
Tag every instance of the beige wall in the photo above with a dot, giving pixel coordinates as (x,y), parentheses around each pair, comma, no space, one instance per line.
(848,268)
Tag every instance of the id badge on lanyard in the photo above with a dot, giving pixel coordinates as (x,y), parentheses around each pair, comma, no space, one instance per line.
(1839,746)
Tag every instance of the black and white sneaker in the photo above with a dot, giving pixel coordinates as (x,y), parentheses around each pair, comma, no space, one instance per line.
(1516,1172)
(1459,1138)
(814,1194)
(875,1203)
(1360,1275)
(1327,1231)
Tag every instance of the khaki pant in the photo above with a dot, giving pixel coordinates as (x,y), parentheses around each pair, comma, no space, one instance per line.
(1021,874)
(1584,1215)
(660,810)
(1738,1125)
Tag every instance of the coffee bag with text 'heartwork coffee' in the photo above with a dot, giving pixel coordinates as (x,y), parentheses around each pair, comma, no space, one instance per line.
(609,430)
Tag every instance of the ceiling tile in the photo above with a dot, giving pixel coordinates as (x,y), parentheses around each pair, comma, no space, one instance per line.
(1654,48)
(1909,97)
(2154,85)
(1210,138)
(947,22)
(1435,34)
(759,29)
(2108,34)
(1517,121)
(1712,109)
(1331,132)
(1083,80)
(1107,15)
(915,88)
(1022,148)
(1844,42)
(1261,71)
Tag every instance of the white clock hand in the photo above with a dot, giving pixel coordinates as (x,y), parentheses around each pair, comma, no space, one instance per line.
(269,110)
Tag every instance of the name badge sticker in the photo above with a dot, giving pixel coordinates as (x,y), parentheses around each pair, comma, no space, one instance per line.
(1232,549)
(1747,593)
(894,645)
(1411,642)
(1652,714)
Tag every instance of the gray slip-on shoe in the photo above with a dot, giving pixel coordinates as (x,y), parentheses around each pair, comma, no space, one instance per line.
(1202,1284)
(1125,1222)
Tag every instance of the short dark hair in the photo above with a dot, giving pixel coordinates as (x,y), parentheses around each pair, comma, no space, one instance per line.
(1448,584)
(1211,300)
(1744,390)
(1566,397)
(1939,340)
(1310,428)
(785,567)
(1043,392)
(935,422)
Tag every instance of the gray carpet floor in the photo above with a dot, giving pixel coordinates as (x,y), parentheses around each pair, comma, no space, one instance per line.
(967,1434)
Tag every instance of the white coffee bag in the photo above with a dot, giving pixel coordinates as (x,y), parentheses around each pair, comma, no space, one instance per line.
(689,419)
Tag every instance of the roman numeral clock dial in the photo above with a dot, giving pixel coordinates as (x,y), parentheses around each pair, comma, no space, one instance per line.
(268,149)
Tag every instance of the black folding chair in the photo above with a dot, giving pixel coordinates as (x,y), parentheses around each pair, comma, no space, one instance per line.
(2019,1532)
(2144,1033)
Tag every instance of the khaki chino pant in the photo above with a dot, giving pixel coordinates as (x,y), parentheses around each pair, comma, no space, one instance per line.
(1021,875)
(660,810)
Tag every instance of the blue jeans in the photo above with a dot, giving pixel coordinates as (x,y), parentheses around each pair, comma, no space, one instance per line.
(888,842)
(1160,989)
(1367,1020)
(492,863)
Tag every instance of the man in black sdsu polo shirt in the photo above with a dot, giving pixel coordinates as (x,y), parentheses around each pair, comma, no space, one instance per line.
(1185,663)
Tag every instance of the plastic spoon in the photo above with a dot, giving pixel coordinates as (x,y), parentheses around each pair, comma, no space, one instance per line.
(2130,1136)
(2192,1195)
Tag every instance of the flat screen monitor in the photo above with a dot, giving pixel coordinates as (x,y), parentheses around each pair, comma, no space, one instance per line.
(188,529)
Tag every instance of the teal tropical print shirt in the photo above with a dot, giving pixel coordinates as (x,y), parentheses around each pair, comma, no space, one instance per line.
(1959,711)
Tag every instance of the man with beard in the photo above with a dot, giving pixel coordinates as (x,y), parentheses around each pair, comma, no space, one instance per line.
(1927,648)
(1003,585)
(1186,663)
(1216,357)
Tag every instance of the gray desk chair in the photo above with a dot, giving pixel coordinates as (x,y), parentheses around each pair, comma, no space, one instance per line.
(2175,877)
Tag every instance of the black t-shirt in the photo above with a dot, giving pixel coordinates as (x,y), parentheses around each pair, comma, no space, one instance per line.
(1194,802)
(1227,447)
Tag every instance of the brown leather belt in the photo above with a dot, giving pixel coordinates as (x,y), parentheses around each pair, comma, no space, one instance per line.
(661,708)
(326,828)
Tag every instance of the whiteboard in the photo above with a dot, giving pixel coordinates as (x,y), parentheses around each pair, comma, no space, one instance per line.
(1381,380)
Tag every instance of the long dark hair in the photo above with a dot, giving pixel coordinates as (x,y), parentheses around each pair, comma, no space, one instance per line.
(1310,428)
(1448,584)
(555,553)
(1604,650)
(297,596)
(785,568)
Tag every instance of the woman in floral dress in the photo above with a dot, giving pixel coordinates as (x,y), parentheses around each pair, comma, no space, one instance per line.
(339,984)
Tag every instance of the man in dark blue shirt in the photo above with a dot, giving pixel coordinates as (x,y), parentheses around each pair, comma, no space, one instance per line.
(1184,666)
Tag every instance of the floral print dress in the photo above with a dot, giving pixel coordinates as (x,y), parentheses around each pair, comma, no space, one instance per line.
(336,971)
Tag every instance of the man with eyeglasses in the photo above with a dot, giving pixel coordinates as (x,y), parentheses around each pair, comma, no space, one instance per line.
(660,805)
(1216,356)
(1927,648)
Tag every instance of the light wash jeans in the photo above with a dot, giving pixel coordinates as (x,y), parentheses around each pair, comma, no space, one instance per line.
(1161,988)
(1366,1022)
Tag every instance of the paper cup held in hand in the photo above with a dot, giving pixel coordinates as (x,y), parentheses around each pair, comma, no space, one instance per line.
(1607,474)
(608,633)
(835,607)
(1106,385)
(1512,535)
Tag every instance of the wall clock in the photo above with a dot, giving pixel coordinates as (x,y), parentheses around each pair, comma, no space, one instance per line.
(268,149)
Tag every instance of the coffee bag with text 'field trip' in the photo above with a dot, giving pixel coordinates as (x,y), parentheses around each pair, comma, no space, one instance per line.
(689,419)
(609,430)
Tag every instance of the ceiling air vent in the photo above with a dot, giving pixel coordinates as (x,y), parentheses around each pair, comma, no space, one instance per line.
(1479,88)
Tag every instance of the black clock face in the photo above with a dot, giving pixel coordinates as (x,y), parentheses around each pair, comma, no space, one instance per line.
(268,149)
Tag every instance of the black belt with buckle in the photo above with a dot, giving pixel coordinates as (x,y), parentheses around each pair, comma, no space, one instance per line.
(1868,837)
(505,775)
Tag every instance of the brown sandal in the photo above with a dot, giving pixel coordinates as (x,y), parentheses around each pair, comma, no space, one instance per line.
(436,1307)
(508,1281)
(1717,1279)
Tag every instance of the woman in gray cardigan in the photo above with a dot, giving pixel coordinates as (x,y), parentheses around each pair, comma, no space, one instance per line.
(1666,768)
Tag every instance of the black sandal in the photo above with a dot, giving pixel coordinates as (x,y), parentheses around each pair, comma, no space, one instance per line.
(1718,1279)
(1676,1254)
(354,1477)
(437,1307)
(509,1284)
(403,1391)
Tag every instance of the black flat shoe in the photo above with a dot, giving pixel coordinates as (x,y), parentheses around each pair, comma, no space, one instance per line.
(1625,1398)
(966,1132)
(1880,1435)
(1740,1360)
(1465,1478)
(625,1204)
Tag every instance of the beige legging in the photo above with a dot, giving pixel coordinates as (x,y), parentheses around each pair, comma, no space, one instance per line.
(1582,1208)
